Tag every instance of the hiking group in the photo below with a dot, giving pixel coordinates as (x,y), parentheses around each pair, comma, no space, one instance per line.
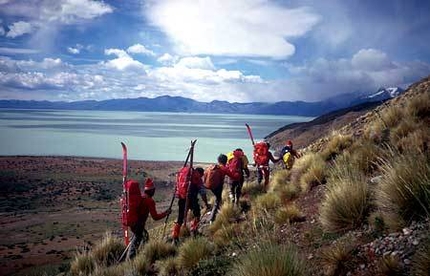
(190,183)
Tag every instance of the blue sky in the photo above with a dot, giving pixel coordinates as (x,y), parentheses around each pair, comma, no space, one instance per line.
(234,50)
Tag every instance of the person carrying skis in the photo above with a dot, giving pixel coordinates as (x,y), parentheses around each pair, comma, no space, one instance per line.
(187,194)
(146,207)
(262,157)
(237,161)
(214,180)
(289,154)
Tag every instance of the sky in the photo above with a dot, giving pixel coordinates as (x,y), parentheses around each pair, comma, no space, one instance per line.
(232,50)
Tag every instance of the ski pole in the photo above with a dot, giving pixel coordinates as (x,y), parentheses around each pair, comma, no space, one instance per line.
(190,175)
(250,134)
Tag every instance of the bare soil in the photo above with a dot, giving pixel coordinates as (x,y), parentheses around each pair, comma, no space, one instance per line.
(50,206)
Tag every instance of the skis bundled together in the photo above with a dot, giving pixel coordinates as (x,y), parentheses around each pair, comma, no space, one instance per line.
(124,202)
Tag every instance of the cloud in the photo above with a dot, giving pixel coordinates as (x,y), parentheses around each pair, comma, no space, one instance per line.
(74,51)
(140,49)
(123,61)
(9,51)
(196,63)
(2,31)
(167,59)
(19,28)
(252,28)
(366,71)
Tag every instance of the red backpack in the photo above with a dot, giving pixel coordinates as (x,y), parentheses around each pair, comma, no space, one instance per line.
(261,153)
(235,163)
(213,177)
(130,203)
(182,181)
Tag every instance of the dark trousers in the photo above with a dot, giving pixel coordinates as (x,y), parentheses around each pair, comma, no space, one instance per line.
(193,204)
(218,200)
(236,190)
(139,234)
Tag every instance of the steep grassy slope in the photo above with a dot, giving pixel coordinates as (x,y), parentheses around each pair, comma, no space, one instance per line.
(356,203)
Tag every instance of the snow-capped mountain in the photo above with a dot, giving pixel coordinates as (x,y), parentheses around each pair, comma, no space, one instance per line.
(385,93)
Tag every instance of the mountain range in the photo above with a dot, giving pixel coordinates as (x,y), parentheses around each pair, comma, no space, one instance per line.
(181,104)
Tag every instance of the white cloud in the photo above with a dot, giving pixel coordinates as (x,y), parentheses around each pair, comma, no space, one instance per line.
(140,49)
(167,59)
(123,61)
(2,31)
(257,28)
(365,71)
(19,28)
(72,11)
(72,50)
(196,63)
(7,51)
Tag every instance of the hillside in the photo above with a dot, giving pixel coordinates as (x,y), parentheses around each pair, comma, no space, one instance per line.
(355,203)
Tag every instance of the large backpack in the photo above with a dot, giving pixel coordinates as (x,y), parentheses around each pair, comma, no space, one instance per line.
(235,163)
(182,181)
(213,177)
(288,160)
(130,203)
(261,153)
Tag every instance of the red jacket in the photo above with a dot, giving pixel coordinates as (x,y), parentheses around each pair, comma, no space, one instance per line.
(147,207)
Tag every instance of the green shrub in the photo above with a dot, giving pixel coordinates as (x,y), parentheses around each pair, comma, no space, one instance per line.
(269,260)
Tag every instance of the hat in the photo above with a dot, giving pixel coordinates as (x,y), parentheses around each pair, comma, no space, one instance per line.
(289,143)
(149,184)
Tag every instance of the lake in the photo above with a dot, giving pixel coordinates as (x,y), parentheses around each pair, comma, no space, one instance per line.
(160,136)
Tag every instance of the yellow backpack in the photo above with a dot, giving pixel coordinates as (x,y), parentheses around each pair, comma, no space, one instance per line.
(288,160)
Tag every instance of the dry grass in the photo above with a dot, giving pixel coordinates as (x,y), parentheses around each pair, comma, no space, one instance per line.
(227,214)
(252,188)
(421,259)
(192,251)
(157,250)
(168,267)
(364,154)
(224,235)
(336,145)
(108,250)
(268,260)
(267,202)
(287,214)
(391,116)
(405,187)
(346,201)
(337,260)
(286,190)
(140,264)
(315,174)
(390,266)
(83,263)
(419,106)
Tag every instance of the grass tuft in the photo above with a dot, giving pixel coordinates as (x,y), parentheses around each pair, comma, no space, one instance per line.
(108,250)
(167,267)
(192,251)
(83,263)
(404,189)
(268,260)
(337,260)
(346,203)
(287,214)
(336,145)
(157,249)
(390,265)
(421,259)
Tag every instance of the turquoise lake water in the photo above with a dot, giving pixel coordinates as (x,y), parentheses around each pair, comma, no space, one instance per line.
(149,135)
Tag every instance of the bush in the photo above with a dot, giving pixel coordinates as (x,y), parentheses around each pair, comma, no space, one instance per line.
(158,249)
(268,260)
(421,259)
(287,214)
(168,267)
(404,189)
(226,215)
(315,174)
(337,260)
(346,201)
(419,106)
(108,250)
(83,263)
(267,202)
(192,251)
(364,155)
(336,145)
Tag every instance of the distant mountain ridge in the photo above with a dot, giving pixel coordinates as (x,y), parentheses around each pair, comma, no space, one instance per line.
(181,104)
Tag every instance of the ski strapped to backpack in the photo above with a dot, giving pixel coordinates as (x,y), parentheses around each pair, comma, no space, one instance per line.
(190,153)
(124,196)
